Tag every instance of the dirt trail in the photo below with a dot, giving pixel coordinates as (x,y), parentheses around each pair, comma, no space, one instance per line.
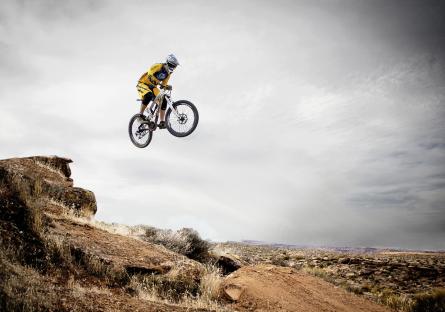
(271,288)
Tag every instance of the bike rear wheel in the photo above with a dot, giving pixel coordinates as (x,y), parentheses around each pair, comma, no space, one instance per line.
(185,122)
(139,132)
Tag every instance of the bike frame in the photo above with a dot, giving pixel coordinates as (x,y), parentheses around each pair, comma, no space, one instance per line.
(157,102)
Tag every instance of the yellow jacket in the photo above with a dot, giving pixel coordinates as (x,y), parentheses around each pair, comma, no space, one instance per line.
(157,75)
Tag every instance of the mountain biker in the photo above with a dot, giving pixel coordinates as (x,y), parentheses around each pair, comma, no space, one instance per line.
(147,86)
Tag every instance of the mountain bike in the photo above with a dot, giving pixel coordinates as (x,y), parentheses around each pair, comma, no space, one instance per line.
(181,119)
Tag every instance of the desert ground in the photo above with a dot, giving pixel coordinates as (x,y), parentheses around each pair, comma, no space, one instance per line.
(54,256)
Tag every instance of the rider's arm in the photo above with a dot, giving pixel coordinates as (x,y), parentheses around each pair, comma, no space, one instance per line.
(150,74)
(165,81)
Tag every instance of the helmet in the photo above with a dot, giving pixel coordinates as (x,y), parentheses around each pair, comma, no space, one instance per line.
(172,62)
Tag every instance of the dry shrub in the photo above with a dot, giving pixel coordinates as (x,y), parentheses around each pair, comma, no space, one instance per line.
(171,288)
(321,273)
(181,290)
(66,209)
(83,215)
(280,260)
(121,229)
(80,291)
(209,293)
(22,289)
(49,168)
(15,296)
(144,288)
(135,231)
(429,302)
(26,190)
(21,187)
(298,257)
(34,219)
(395,301)
(185,241)
(96,266)
(38,188)
(59,249)
(210,283)
(354,288)
(200,303)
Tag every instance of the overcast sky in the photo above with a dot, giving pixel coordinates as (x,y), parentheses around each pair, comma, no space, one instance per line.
(321,122)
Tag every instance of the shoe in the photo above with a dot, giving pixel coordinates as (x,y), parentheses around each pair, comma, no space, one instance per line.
(151,126)
(161,125)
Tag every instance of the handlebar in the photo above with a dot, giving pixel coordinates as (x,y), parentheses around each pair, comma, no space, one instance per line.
(167,92)
(167,87)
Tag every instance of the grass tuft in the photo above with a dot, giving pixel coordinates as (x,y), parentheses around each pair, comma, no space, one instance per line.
(37,188)
(210,283)
(59,250)
(114,275)
(321,273)
(429,302)
(22,289)
(181,290)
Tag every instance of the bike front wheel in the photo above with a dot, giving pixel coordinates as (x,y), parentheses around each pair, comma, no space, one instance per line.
(184,121)
(139,132)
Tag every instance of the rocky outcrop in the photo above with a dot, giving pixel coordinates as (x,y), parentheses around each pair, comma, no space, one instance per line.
(132,255)
(46,178)
(60,164)
(49,241)
(48,181)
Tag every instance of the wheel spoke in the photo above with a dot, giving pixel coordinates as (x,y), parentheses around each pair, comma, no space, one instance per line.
(185,121)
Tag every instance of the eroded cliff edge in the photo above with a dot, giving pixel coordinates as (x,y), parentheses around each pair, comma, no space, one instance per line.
(53,258)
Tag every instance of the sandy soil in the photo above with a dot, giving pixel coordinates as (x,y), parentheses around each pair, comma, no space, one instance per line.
(271,288)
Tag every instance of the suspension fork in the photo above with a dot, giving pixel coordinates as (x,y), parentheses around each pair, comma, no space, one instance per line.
(170,105)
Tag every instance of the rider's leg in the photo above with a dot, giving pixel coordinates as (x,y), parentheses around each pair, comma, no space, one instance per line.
(162,122)
(162,113)
(145,100)
(163,106)
(143,107)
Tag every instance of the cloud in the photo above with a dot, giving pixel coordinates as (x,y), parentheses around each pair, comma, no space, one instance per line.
(320,123)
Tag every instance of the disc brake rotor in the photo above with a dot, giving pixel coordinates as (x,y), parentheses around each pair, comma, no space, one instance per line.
(182,118)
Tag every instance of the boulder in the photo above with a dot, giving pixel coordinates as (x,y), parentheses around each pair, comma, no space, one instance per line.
(233,292)
(228,263)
